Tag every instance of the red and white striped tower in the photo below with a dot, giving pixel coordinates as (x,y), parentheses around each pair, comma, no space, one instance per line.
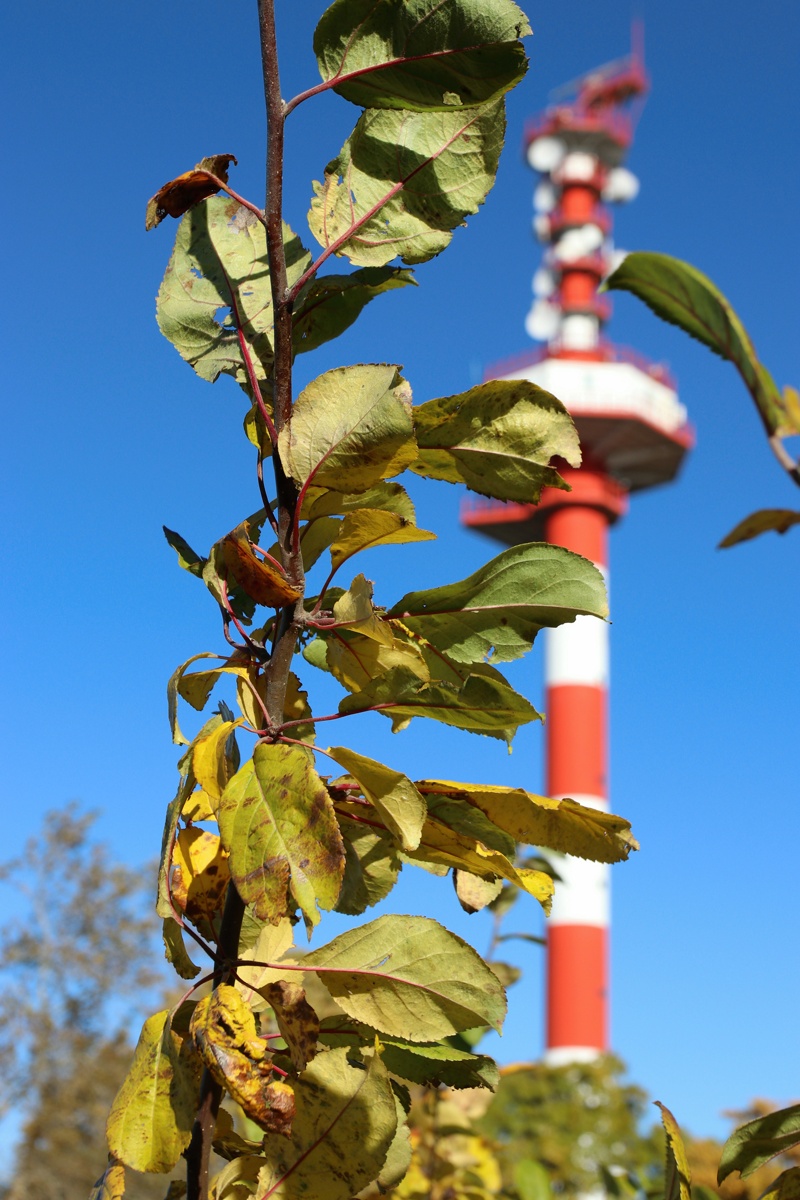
(634,434)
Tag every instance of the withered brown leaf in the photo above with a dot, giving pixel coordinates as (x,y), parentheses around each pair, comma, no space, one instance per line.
(180,194)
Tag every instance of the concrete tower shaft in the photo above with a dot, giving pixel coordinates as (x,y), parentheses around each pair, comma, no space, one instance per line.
(634,434)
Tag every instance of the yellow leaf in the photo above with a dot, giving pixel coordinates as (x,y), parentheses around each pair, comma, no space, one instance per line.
(200,874)
(257,577)
(198,807)
(212,767)
(355,609)
(369,527)
(677,1175)
(272,943)
(297,1021)
(111,1184)
(540,821)
(224,1031)
(355,660)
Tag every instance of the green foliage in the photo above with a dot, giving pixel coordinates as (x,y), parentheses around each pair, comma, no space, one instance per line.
(292,1065)
(577,1121)
(682,295)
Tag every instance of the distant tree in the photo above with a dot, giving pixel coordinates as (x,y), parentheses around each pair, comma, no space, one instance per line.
(82,932)
(580,1122)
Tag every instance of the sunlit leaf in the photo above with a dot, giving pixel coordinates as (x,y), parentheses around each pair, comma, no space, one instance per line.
(350,428)
(271,944)
(408,977)
(278,826)
(324,501)
(215,761)
(677,1175)
(333,302)
(316,537)
(755,1143)
(424,54)
(480,705)
(474,891)
(187,557)
(175,197)
(393,795)
(684,296)
(224,1031)
(370,527)
(200,874)
(198,701)
(431,1063)
(766,520)
(500,608)
(403,181)
(563,825)
(344,1124)
(218,269)
(111,1184)
(498,439)
(151,1119)
(785,1187)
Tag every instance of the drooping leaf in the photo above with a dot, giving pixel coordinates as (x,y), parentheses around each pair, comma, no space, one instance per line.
(498,439)
(371,527)
(563,825)
(355,609)
(410,978)
(172,694)
(175,197)
(297,1021)
(403,181)
(216,760)
(480,705)
(398,1156)
(765,520)
(150,1123)
(350,428)
(171,819)
(755,1143)
(333,302)
(175,949)
(187,557)
(500,608)
(278,826)
(684,296)
(392,794)
(356,659)
(371,867)
(260,579)
(345,1122)
(423,54)
(326,502)
(200,874)
(111,1184)
(217,278)
(224,1031)
(474,891)
(677,1175)
(441,843)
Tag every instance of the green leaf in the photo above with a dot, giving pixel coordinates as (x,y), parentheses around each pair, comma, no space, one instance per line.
(150,1123)
(677,1175)
(532,1181)
(421,54)
(392,794)
(410,978)
(431,1063)
(325,502)
(344,1125)
(480,705)
(277,823)
(371,867)
(684,296)
(332,303)
(371,527)
(497,438)
(187,557)
(785,1187)
(755,1143)
(224,1031)
(175,949)
(563,825)
(403,181)
(220,264)
(499,609)
(765,520)
(350,428)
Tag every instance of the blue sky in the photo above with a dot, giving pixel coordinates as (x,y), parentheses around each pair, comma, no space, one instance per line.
(108,434)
